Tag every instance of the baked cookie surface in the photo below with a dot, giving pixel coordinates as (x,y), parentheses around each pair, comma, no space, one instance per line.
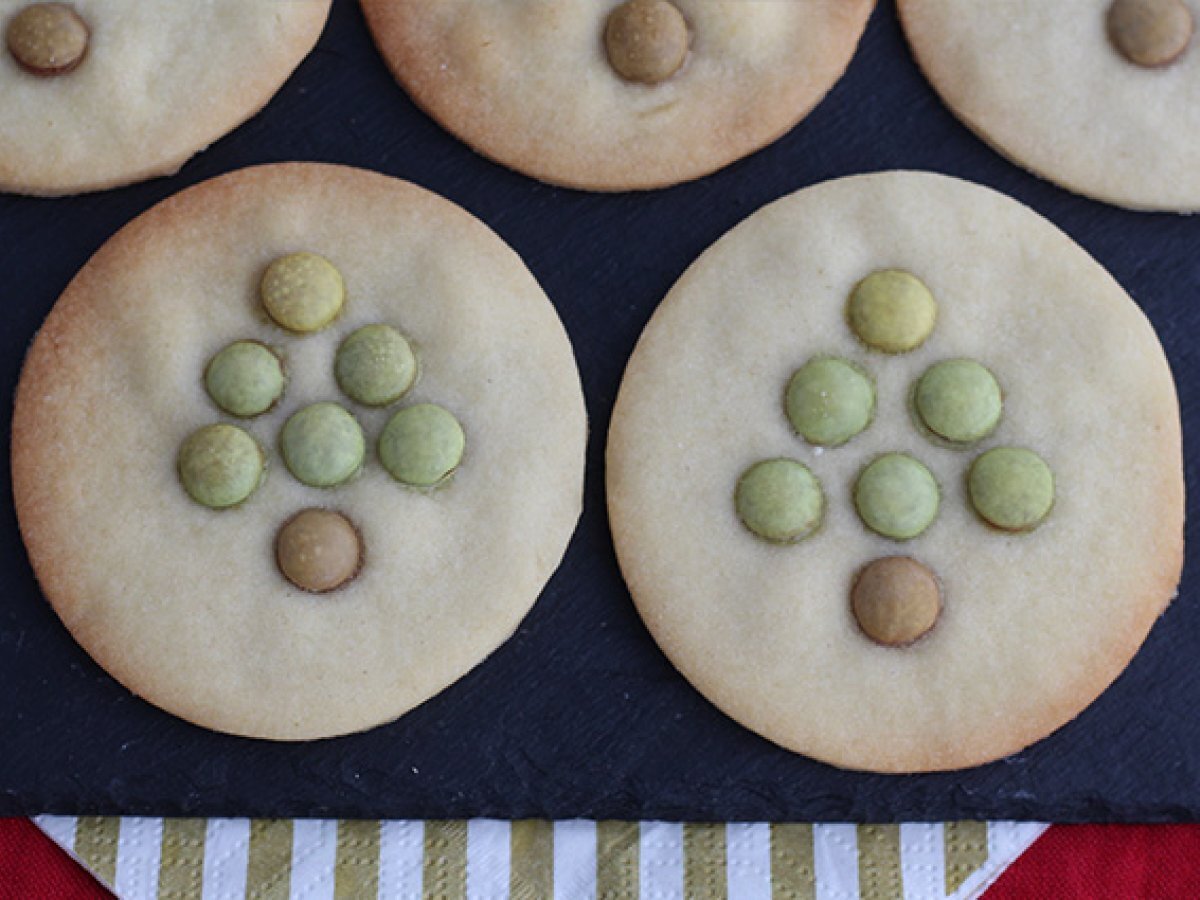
(156,83)
(185,604)
(1032,626)
(1068,90)
(534,85)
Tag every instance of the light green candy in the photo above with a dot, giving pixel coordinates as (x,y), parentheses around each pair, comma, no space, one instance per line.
(302,292)
(780,500)
(1011,488)
(959,400)
(245,379)
(892,311)
(376,365)
(829,401)
(220,466)
(421,445)
(322,445)
(897,497)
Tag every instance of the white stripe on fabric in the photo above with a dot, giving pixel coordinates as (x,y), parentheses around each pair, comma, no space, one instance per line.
(1007,838)
(488,859)
(661,851)
(923,861)
(139,848)
(314,859)
(401,858)
(574,860)
(748,861)
(226,856)
(835,861)
(60,829)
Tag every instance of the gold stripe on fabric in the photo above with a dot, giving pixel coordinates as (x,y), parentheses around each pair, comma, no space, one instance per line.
(531,876)
(96,845)
(704,862)
(618,853)
(269,866)
(879,875)
(966,846)
(181,863)
(445,865)
(793,872)
(356,870)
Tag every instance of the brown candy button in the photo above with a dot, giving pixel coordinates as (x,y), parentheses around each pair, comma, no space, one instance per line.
(647,40)
(318,550)
(896,600)
(1150,33)
(47,38)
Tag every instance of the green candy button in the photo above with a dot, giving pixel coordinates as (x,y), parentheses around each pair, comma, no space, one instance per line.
(220,466)
(780,500)
(376,366)
(245,379)
(897,497)
(959,400)
(829,401)
(322,445)
(892,311)
(421,445)
(1011,488)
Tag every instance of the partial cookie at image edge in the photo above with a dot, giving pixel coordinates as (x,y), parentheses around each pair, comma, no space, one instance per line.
(561,145)
(1116,154)
(112,146)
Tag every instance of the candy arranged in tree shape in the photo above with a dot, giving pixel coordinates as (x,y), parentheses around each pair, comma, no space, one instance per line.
(955,404)
(322,445)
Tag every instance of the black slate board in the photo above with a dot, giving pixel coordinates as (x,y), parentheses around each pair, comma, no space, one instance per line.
(580,714)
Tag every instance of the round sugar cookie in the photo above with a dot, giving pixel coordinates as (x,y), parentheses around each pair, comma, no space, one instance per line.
(983,640)
(407,588)
(153,84)
(535,85)
(1049,86)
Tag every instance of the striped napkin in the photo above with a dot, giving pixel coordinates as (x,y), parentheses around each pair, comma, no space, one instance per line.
(223,859)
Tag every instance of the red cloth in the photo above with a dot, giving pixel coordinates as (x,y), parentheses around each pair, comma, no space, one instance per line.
(1116,862)
(32,865)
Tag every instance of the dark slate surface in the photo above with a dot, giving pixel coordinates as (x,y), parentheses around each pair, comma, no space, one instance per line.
(580,715)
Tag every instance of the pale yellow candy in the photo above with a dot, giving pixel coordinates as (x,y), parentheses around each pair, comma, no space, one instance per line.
(302,292)
(892,311)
